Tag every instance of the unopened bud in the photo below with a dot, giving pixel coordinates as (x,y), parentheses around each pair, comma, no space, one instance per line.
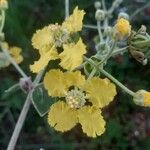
(142,98)
(97,5)
(99,15)
(26,84)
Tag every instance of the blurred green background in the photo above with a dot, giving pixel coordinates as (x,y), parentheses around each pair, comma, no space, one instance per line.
(128,125)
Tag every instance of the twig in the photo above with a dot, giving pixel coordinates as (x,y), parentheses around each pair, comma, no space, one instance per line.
(13,62)
(3,20)
(23,115)
(100,31)
(139,10)
(66,9)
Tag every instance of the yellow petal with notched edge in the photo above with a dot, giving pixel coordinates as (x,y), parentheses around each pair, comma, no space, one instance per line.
(91,120)
(44,60)
(42,38)
(75,79)
(100,92)
(55,83)
(62,117)
(72,56)
(74,22)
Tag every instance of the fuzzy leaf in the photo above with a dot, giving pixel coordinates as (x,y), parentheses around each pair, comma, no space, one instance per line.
(41,100)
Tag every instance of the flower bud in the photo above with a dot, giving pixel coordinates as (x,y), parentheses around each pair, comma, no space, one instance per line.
(123,15)
(142,98)
(100,15)
(97,5)
(3,4)
(139,46)
(26,84)
(122,29)
(108,31)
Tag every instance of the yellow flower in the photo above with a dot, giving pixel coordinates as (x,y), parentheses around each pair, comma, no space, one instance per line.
(72,56)
(142,98)
(123,28)
(14,51)
(75,91)
(57,36)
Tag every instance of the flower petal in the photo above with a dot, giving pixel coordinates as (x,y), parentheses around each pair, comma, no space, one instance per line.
(75,79)
(42,38)
(72,56)
(91,120)
(44,60)
(55,83)
(62,117)
(74,22)
(100,91)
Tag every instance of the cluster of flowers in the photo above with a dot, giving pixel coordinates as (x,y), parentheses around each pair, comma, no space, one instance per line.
(80,99)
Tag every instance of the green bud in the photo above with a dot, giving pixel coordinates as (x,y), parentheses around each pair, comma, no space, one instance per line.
(139,45)
(97,5)
(100,15)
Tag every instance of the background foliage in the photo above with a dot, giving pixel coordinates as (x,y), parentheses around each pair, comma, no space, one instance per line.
(128,126)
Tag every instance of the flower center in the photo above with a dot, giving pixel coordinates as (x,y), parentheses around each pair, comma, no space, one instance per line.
(61,36)
(75,98)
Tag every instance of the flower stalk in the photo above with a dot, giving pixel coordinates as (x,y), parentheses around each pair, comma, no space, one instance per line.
(23,114)
(117,82)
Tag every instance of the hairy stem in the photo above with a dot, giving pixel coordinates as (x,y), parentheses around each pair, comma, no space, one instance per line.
(139,10)
(3,20)
(19,124)
(13,62)
(109,53)
(66,8)
(117,82)
(100,31)
(23,115)
(119,51)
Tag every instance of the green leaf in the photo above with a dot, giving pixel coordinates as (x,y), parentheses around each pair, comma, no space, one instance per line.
(41,100)
(4,62)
